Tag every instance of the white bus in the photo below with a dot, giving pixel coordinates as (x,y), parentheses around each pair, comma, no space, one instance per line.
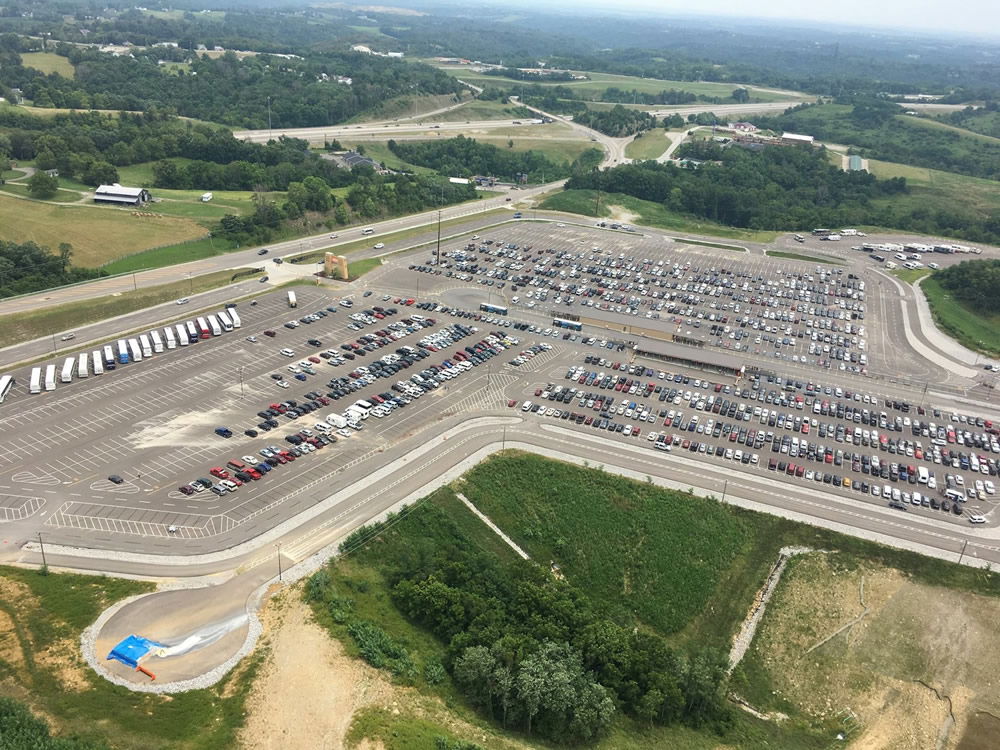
(227,323)
(168,335)
(203,331)
(50,377)
(82,365)
(6,383)
(292,302)
(98,361)
(133,347)
(235,317)
(109,355)
(123,356)
(36,380)
(183,337)
(193,332)
(157,341)
(214,323)
(147,348)
(69,364)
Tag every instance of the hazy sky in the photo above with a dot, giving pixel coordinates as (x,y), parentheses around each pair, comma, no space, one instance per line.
(981,17)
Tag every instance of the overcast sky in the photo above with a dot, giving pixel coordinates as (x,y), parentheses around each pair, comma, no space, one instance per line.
(981,17)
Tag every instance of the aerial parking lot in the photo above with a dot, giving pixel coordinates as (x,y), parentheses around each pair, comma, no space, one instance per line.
(731,360)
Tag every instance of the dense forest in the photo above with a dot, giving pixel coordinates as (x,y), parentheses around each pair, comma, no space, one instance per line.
(617,121)
(974,282)
(229,90)
(27,267)
(984,119)
(878,129)
(529,650)
(466,157)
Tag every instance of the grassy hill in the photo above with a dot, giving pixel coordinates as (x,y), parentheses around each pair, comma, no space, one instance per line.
(48,62)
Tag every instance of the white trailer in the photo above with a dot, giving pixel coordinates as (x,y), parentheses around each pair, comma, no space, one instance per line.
(69,364)
(133,347)
(214,323)
(157,341)
(50,377)
(292,302)
(235,317)
(35,386)
(336,420)
(97,358)
(147,348)
(168,335)
(81,365)
(183,337)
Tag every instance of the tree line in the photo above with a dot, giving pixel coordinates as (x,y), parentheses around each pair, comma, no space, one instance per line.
(974,282)
(527,649)
(466,157)
(617,121)
(28,267)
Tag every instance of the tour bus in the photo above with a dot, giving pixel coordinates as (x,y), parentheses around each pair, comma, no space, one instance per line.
(109,355)
(572,325)
(50,377)
(135,350)
(224,321)
(235,317)
(193,332)
(157,341)
(36,380)
(69,364)
(168,337)
(123,356)
(214,323)
(183,338)
(6,383)
(495,309)
(81,365)
(292,302)
(147,348)
(98,361)
(203,329)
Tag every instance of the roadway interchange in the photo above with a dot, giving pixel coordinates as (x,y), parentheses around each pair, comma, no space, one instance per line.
(152,423)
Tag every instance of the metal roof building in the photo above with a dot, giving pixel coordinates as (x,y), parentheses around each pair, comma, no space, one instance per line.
(125,195)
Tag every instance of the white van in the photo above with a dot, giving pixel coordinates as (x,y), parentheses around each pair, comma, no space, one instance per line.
(955,496)
(368,230)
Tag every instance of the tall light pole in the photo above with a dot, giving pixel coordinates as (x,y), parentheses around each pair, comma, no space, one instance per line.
(439,239)
(242,392)
(45,564)
(269,136)
(280,572)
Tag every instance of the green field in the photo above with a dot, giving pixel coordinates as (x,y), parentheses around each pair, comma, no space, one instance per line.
(479,109)
(48,62)
(41,666)
(21,189)
(98,235)
(651,214)
(28,326)
(141,175)
(933,187)
(406,107)
(911,275)
(973,329)
(650,145)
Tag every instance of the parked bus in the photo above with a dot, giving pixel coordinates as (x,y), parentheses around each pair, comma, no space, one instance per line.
(168,335)
(820,232)
(98,362)
(123,357)
(495,309)
(135,350)
(224,320)
(82,363)
(183,337)
(6,383)
(69,364)
(109,355)
(193,334)
(157,341)
(203,329)
(572,325)
(235,317)
(147,349)
(214,323)
(50,377)
(292,302)
(36,380)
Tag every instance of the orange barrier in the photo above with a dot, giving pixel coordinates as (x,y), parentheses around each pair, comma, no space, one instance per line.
(140,668)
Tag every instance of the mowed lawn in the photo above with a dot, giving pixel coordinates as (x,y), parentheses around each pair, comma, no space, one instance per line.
(650,145)
(48,62)
(96,234)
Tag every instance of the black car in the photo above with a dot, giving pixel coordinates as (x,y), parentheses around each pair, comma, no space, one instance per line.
(315,342)
(250,433)
(262,251)
(115,479)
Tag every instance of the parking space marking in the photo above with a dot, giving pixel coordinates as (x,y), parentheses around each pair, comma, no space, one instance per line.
(19,507)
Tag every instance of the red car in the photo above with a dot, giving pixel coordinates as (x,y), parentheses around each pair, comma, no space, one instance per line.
(272,334)
(512,403)
(219,472)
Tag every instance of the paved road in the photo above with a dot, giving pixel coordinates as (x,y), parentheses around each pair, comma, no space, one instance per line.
(726,109)
(388,129)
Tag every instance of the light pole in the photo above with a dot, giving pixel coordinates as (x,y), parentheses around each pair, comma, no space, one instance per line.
(42,546)
(135,284)
(439,239)
(242,392)
(725,486)
(269,136)
(280,572)
(54,347)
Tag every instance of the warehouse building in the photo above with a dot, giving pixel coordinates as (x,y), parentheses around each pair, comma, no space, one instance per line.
(122,195)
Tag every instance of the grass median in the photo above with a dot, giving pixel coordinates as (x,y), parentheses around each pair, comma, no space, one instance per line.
(969,327)
(27,326)
(809,258)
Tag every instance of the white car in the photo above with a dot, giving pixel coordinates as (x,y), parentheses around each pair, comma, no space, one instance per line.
(252,339)
(977,519)
(249,460)
(183,301)
(287,353)
(281,384)
(379,245)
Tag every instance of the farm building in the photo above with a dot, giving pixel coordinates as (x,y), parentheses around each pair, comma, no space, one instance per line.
(124,195)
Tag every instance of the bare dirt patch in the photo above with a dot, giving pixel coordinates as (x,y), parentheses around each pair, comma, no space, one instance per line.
(64,662)
(871,670)
(620,213)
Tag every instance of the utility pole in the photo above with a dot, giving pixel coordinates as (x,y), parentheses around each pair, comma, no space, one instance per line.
(269,136)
